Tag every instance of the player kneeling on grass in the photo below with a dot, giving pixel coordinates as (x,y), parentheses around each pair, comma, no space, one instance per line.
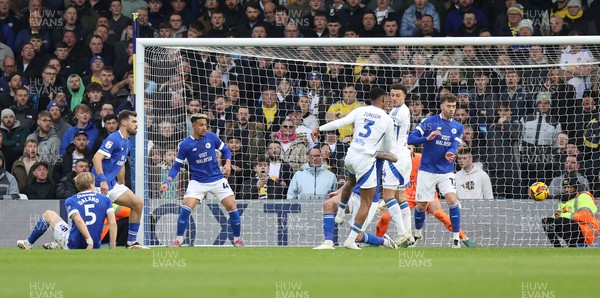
(330,207)
(575,219)
(88,210)
(206,176)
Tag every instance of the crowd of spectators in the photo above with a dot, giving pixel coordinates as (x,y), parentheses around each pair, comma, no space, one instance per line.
(67,70)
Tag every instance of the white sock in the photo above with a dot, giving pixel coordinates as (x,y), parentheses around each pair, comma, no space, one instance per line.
(406,218)
(456,235)
(397,218)
(352,236)
(418,233)
(180,239)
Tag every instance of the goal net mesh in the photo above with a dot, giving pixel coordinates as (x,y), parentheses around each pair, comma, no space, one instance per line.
(530,114)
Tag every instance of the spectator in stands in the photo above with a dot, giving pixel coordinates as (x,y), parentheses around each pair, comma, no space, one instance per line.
(58,122)
(77,149)
(300,8)
(21,167)
(67,63)
(576,73)
(70,23)
(472,182)
(9,189)
(96,64)
(262,183)
(313,180)
(270,113)
(558,27)
(570,171)
(117,21)
(334,27)
(252,13)
(303,108)
(343,107)
(27,64)
(46,138)
(515,93)
(35,28)
(559,152)
(179,6)
(351,15)
(83,114)
(218,25)
(66,185)
(40,185)
(470,26)
(76,90)
(110,125)
(369,25)
(455,17)
(539,132)
(93,99)
(503,140)
(156,14)
(60,79)
(165,30)
(483,99)
(23,112)
(15,81)
(579,20)
(319,28)
(508,24)
(13,137)
(559,8)
(563,96)
(293,147)
(9,66)
(412,20)
(277,168)
(176,22)
(390,27)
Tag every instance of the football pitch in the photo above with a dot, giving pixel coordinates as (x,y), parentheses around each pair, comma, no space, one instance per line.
(300,272)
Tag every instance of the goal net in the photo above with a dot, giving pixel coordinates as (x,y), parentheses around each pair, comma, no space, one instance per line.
(529,107)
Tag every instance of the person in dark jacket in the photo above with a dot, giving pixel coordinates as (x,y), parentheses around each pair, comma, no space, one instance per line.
(40,185)
(76,150)
(66,185)
(9,189)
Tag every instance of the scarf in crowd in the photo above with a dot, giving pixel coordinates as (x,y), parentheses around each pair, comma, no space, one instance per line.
(285,140)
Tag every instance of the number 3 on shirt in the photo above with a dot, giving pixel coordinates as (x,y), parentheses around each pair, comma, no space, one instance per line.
(367,127)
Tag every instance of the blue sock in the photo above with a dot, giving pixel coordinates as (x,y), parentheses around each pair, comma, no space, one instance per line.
(419,219)
(371,239)
(404,205)
(343,204)
(40,228)
(356,227)
(328,225)
(455,218)
(235,222)
(184,218)
(134,227)
(390,202)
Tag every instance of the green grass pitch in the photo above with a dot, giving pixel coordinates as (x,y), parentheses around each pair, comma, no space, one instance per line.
(299,272)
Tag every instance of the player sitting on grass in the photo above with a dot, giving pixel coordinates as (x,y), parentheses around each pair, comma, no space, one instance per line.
(87,209)
(434,207)
(330,208)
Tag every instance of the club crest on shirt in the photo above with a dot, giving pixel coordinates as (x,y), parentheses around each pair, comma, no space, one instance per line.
(109,144)
(454,131)
(207,145)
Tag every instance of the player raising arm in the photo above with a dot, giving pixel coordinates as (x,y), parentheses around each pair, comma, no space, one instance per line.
(200,151)
(88,210)
(108,163)
(441,136)
(373,131)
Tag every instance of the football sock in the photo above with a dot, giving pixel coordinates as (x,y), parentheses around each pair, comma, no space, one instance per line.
(134,227)
(371,239)
(406,215)
(445,220)
(356,229)
(419,219)
(383,224)
(328,225)
(38,230)
(396,214)
(235,223)
(182,221)
(455,220)
(342,207)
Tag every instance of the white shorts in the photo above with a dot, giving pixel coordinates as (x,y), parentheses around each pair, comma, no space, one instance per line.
(363,167)
(219,189)
(115,192)
(400,170)
(61,234)
(426,183)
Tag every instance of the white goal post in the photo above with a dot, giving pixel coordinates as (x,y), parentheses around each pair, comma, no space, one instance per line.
(507,220)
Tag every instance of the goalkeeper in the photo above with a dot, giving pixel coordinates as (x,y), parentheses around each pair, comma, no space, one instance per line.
(575,219)
(434,208)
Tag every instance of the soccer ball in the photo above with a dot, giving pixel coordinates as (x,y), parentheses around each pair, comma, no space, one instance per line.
(538,191)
